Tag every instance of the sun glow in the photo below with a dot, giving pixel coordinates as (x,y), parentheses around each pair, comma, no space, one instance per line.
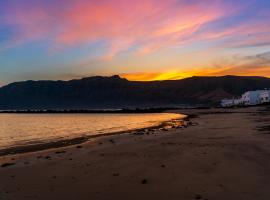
(176,75)
(172,75)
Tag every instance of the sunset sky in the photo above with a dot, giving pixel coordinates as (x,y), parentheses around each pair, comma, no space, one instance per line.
(140,40)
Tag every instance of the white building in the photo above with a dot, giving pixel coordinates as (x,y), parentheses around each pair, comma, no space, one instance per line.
(231,102)
(252,97)
(227,102)
(238,102)
(264,96)
(248,98)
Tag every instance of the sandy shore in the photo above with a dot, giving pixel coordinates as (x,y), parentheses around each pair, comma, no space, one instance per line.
(226,156)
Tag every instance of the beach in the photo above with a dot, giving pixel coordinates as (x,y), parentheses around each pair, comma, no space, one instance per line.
(220,154)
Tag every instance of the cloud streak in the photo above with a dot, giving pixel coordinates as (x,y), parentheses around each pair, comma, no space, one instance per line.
(170,39)
(144,25)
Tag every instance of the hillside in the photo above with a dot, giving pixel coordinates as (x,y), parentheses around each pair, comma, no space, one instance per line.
(116,92)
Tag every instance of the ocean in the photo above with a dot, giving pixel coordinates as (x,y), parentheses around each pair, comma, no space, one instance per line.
(27,129)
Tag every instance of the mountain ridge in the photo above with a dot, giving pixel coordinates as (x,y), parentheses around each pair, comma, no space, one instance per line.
(116,92)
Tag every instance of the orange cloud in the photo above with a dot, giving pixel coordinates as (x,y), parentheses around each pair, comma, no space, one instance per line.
(255,65)
(172,75)
(263,71)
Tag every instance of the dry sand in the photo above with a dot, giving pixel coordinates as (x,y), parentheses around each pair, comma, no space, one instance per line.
(226,156)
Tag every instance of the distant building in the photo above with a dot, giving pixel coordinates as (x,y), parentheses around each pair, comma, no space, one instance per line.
(238,102)
(248,98)
(227,102)
(230,102)
(264,96)
(251,97)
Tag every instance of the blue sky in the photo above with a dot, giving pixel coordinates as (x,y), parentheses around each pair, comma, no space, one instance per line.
(140,40)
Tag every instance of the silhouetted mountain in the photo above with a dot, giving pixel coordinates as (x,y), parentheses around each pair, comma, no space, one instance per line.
(116,92)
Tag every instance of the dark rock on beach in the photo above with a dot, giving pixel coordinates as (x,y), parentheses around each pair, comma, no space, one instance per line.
(7,164)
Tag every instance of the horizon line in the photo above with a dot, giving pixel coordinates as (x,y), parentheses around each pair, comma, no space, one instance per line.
(133,80)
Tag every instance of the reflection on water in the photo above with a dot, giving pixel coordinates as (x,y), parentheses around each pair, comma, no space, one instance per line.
(21,129)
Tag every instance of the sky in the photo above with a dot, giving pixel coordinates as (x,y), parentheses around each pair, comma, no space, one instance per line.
(139,40)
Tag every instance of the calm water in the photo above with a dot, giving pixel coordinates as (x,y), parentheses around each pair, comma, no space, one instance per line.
(24,129)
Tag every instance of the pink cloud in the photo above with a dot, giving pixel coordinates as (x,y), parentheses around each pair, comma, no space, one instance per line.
(147,24)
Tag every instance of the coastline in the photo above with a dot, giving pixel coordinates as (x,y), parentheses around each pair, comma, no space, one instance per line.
(225,156)
(173,123)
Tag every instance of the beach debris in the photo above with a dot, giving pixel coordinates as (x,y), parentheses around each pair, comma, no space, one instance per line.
(7,164)
(48,157)
(144,181)
(162,166)
(139,133)
(79,147)
(164,129)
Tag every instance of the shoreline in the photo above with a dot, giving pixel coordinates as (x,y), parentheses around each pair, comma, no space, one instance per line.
(221,155)
(90,111)
(174,123)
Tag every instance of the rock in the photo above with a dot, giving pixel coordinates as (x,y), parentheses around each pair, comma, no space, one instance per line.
(112,141)
(198,196)
(144,181)
(139,133)
(59,152)
(165,129)
(7,164)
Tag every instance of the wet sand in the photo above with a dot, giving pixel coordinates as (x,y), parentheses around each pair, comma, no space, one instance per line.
(223,154)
